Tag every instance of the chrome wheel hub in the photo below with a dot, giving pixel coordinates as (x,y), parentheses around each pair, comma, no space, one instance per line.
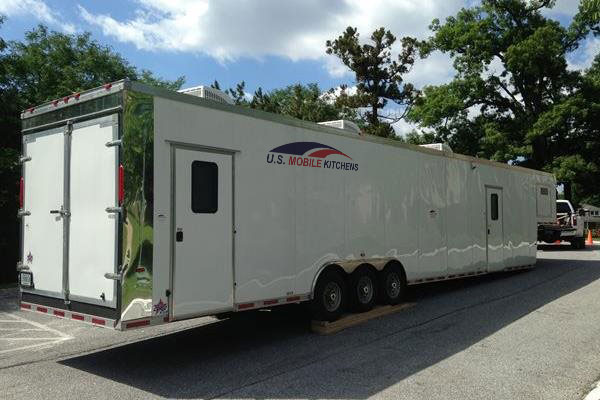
(365,289)
(332,296)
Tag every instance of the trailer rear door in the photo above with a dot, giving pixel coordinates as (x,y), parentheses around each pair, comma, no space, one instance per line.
(42,237)
(69,239)
(93,230)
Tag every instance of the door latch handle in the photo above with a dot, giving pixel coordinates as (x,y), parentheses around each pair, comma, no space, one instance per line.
(179,236)
(488,231)
(62,212)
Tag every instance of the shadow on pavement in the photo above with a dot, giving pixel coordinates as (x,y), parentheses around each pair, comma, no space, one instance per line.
(273,354)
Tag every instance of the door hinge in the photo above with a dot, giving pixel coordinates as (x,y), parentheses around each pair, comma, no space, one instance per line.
(113,276)
(114,209)
(113,143)
(24,159)
(23,213)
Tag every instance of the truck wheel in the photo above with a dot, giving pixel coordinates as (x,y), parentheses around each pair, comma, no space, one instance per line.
(392,284)
(330,296)
(363,289)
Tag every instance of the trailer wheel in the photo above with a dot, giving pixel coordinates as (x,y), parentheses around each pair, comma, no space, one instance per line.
(330,296)
(363,289)
(392,284)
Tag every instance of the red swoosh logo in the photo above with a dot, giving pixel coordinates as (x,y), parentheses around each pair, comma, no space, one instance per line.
(326,152)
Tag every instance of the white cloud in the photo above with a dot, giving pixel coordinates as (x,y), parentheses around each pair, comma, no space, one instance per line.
(434,70)
(37,9)
(402,127)
(294,29)
(584,56)
(565,7)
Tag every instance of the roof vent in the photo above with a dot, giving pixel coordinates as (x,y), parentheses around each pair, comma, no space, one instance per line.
(208,93)
(343,124)
(438,146)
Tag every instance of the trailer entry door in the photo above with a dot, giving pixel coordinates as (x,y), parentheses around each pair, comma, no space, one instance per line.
(203,274)
(69,239)
(495,231)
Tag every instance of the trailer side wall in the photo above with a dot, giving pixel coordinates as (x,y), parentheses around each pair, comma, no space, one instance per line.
(423,208)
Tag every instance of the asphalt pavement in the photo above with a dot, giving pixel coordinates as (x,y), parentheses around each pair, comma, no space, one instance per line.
(520,335)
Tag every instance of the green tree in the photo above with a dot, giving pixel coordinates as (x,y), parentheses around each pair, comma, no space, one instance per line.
(511,69)
(45,66)
(238,94)
(378,76)
(573,125)
(307,102)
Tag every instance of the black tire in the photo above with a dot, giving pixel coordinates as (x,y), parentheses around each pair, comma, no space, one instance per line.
(363,289)
(392,285)
(329,301)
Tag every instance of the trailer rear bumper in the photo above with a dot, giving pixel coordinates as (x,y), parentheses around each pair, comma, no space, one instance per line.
(68,314)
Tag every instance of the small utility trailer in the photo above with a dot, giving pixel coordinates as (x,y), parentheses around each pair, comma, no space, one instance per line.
(142,206)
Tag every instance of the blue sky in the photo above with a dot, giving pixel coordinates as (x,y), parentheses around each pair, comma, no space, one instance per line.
(267,43)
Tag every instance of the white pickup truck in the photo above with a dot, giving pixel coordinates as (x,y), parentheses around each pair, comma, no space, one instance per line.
(569,226)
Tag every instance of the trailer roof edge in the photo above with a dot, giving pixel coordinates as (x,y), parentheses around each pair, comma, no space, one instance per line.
(126,84)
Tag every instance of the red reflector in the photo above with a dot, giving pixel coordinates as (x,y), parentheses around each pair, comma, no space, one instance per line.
(108,86)
(269,302)
(21,192)
(121,184)
(77,317)
(66,99)
(76,96)
(98,321)
(41,309)
(27,306)
(244,306)
(140,269)
(31,110)
(294,298)
(59,313)
(135,324)
(55,103)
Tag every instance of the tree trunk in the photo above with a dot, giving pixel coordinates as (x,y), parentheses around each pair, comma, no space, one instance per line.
(539,152)
(567,191)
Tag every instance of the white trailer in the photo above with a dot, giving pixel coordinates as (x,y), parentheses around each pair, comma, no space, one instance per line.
(143,206)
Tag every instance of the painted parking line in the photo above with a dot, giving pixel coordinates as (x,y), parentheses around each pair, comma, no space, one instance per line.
(22,337)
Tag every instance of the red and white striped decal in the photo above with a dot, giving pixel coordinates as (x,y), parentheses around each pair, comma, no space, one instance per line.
(143,322)
(271,302)
(67,314)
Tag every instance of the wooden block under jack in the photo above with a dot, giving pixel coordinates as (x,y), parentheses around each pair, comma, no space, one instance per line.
(348,320)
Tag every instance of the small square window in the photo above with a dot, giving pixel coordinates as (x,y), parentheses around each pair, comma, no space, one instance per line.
(205,187)
(494,201)
(544,191)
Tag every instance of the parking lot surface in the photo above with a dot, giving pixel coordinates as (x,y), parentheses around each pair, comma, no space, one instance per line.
(526,335)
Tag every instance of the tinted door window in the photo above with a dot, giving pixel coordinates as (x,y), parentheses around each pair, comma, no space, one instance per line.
(205,187)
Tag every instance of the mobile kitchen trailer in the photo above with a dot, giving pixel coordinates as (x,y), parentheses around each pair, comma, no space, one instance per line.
(143,206)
